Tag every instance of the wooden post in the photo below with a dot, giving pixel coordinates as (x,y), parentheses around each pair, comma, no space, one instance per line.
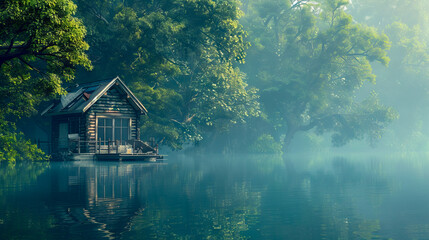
(78,144)
(99,146)
(108,146)
(117,146)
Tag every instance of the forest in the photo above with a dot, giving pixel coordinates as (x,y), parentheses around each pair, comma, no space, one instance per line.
(250,76)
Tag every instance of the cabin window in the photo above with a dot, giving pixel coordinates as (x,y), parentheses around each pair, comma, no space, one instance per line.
(113,129)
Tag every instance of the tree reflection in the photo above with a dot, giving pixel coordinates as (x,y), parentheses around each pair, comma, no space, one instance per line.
(332,199)
(17,221)
(217,197)
(198,200)
(15,175)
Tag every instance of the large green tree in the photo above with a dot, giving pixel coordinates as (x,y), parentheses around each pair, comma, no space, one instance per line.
(404,84)
(309,59)
(179,57)
(41,43)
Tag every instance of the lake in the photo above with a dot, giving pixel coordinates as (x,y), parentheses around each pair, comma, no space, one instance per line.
(218,197)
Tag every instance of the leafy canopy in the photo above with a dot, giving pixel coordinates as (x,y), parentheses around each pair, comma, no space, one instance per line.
(309,59)
(179,57)
(41,44)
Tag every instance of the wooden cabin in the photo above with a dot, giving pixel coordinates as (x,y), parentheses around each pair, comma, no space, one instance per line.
(98,118)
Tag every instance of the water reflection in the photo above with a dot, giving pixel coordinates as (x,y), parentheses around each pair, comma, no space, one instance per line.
(99,199)
(220,197)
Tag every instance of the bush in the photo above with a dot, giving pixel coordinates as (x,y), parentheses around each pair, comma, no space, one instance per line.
(14,146)
(266,144)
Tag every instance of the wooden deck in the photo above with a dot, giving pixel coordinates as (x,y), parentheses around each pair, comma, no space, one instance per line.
(110,152)
(151,157)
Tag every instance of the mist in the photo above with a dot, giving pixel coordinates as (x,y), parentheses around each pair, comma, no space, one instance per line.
(214,119)
(274,76)
(379,106)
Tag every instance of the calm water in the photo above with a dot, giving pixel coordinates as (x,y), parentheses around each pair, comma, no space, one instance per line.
(218,197)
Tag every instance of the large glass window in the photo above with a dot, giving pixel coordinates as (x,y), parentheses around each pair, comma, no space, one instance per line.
(122,129)
(113,129)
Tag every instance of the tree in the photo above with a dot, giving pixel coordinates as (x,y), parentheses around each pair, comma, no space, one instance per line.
(404,84)
(41,44)
(179,57)
(309,59)
(385,12)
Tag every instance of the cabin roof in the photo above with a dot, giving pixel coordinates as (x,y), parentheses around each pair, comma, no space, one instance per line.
(82,97)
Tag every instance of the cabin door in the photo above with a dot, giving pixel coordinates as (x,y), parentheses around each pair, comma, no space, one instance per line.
(63,141)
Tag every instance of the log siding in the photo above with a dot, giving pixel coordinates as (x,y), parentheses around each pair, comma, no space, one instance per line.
(111,104)
(81,108)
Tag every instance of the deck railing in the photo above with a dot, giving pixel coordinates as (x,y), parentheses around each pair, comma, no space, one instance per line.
(94,146)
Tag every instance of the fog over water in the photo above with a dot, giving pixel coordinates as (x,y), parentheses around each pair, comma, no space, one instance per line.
(220,197)
(281,119)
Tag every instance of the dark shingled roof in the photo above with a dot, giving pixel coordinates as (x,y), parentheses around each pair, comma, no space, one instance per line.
(82,97)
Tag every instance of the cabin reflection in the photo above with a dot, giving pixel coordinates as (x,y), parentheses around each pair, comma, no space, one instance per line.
(103,197)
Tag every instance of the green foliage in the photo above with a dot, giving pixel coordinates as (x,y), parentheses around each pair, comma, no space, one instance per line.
(404,84)
(266,144)
(14,147)
(178,57)
(41,44)
(367,119)
(308,59)
(384,12)
(412,43)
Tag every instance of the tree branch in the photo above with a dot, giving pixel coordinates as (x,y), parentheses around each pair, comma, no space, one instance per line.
(298,3)
(32,67)
(312,124)
(95,12)
(10,45)
(217,43)
(9,56)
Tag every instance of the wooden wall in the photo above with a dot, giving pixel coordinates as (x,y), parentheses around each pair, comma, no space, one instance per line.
(112,104)
(56,120)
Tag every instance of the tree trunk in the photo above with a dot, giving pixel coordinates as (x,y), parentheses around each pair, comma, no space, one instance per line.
(288,139)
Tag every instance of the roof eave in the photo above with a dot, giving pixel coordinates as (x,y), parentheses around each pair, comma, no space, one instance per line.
(95,97)
(136,101)
(63,113)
